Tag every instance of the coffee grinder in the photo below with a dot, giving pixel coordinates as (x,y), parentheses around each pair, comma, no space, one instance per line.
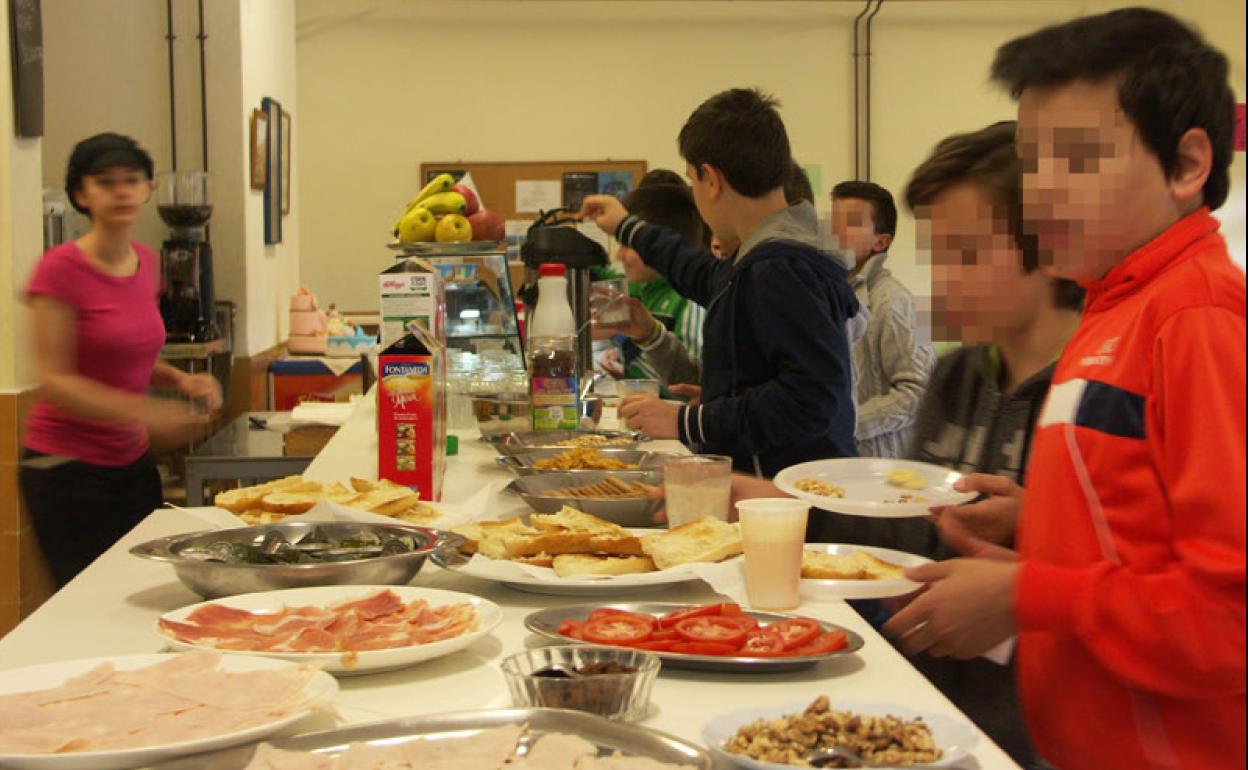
(186,293)
(554,238)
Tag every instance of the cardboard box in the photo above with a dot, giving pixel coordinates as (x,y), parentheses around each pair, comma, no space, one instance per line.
(411,292)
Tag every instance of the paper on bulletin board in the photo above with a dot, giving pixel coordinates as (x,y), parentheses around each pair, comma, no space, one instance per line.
(533,196)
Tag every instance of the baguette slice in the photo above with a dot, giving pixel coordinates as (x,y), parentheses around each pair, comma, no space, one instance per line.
(477,532)
(572,520)
(574,542)
(290,502)
(706,540)
(568,564)
(537,560)
(856,565)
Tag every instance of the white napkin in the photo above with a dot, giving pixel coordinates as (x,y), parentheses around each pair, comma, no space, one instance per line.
(495,569)
(317,413)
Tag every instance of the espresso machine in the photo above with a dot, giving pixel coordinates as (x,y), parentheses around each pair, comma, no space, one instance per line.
(554,239)
(186,292)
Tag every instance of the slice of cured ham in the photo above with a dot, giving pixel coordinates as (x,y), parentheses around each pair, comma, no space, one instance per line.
(380,621)
(184,698)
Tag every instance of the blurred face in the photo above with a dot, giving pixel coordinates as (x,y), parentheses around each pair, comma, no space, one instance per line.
(634,269)
(115,195)
(980,294)
(853,224)
(1092,191)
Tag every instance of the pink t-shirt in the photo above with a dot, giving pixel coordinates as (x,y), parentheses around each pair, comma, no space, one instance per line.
(119,337)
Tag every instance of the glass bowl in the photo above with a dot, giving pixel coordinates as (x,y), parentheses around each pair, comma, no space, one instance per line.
(623,696)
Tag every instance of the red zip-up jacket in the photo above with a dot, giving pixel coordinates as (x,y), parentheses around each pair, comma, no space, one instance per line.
(1130,599)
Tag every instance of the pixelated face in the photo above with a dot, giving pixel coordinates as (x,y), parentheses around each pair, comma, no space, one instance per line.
(1092,191)
(980,293)
(114,195)
(853,224)
(635,270)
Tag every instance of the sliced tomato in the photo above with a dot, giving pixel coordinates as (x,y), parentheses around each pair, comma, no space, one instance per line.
(607,612)
(666,635)
(626,629)
(571,628)
(731,608)
(762,642)
(828,641)
(672,618)
(797,632)
(657,645)
(712,628)
(745,621)
(703,648)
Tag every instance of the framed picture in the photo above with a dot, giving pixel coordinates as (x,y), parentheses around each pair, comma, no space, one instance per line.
(259,148)
(26,54)
(272,172)
(286,161)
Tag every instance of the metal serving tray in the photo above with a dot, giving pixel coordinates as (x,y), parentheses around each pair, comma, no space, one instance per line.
(608,736)
(625,511)
(521,463)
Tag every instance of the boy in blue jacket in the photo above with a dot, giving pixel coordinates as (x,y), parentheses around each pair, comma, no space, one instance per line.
(776,379)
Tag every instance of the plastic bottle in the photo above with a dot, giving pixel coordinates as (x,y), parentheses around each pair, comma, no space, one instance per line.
(553,387)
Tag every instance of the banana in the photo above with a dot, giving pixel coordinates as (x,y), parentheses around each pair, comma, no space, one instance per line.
(439,184)
(445,203)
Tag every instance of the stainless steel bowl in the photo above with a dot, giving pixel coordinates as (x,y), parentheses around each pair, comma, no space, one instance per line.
(627,512)
(521,463)
(213,580)
(523,441)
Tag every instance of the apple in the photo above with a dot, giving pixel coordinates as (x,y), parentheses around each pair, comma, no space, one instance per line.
(469,197)
(453,228)
(487,226)
(417,225)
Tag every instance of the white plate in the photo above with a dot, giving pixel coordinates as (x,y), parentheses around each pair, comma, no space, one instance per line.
(320,689)
(953,736)
(863,589)
(367,662)
(867,491)
(553,585)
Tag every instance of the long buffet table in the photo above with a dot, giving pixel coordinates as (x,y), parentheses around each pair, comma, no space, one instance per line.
(110,609)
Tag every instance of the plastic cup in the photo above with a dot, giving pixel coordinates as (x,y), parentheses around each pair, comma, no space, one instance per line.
(697,487)
(773,532)
(634,387)
(607,300)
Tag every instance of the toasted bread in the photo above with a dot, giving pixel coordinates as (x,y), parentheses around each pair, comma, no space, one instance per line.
(418,514)
(574,542)
(537,560)
(592,564)
(289,502)
(496,531)
(706,540)
(856,565)
(570,519)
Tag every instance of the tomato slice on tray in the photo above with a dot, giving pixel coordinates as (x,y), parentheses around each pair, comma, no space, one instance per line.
(828,641)
(712,628)
(570,628)
(657,645)
(797,632)
(703,648)
(672,618)
(619,628)
(607,612)
(762,642)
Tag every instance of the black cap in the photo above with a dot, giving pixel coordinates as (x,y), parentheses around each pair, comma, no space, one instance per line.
(100,152)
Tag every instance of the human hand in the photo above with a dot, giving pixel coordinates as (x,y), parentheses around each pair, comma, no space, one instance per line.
(639,325)
(203,390)
(691,393)
(606,211)
(994,519)
(612,363)
(650,415)
(966,610)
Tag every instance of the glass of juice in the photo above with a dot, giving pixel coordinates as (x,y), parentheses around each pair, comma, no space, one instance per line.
(697,486)
(773,532)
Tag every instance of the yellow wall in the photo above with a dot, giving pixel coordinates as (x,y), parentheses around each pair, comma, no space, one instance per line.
(387,84)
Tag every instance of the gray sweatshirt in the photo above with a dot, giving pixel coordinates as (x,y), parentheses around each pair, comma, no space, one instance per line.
(673,363)
(891,363)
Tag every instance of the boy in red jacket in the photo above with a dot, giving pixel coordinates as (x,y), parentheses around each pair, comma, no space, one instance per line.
(1127,589)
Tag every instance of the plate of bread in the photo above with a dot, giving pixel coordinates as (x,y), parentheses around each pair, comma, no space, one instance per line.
(873,486)
(572,552)
(275,501)
(840,571)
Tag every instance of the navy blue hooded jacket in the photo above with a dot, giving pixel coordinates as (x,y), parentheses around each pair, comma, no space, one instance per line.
(776,369)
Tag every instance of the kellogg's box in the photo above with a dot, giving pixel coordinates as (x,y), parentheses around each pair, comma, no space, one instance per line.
(411,409)
(411,293)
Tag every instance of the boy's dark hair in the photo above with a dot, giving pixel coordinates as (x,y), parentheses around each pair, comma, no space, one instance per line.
(797,187)
(1172,80)
(97,153)
(883,209)
(987,158)
(739,132)
(670,206)
(662,176)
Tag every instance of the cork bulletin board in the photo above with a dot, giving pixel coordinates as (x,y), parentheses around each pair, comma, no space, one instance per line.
(496,181)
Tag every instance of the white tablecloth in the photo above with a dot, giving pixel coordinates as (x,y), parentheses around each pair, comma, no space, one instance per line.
(110,609)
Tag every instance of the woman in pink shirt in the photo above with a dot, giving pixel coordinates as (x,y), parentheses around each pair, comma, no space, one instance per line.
(86,475)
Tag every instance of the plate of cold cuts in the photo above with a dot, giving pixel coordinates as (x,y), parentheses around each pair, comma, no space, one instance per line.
(134,710)
(344,629)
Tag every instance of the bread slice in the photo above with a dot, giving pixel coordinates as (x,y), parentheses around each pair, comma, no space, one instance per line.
(363,485)
(570,519)
(568,564)
(856,565)
(290,502)
(574,542)
(537,560)
(418,514)
(706,540)
(477,532)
